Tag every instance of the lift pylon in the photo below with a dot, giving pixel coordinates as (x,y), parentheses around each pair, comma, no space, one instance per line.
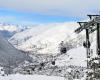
(90,27)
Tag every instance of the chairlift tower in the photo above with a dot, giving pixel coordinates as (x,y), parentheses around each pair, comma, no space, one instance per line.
(90,27)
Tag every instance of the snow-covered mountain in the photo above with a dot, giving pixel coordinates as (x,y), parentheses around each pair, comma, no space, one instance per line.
(8,30)
(10,55)
(44,38)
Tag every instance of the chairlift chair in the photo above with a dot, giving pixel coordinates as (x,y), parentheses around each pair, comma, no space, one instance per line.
(63,50)
(53,62)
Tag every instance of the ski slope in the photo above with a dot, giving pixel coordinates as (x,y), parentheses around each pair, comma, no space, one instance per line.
(75,57)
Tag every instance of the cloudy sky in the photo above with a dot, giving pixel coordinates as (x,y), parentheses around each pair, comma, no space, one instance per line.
(46,11)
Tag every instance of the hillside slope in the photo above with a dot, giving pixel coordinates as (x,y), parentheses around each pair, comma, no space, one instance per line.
(9,54)
(44,38)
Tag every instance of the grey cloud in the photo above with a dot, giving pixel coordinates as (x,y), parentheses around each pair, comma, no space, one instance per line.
(54,7)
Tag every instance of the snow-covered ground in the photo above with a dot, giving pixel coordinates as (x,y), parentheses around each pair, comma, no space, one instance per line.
(76,57)
(33,77)
(30,77)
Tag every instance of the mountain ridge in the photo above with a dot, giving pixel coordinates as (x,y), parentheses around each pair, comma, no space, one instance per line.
(48,36)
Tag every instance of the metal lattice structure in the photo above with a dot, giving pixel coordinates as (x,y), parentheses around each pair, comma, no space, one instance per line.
(90,27)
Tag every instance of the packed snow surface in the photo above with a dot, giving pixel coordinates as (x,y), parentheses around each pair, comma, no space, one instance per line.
(30,77)
(33,77)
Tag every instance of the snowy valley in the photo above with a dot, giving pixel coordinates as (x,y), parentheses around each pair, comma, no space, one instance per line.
(38,48)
